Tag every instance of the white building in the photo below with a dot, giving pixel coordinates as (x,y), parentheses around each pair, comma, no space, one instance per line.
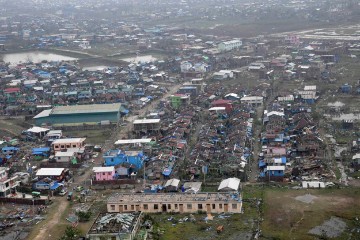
(229,45)
(253,100)
(185,66)
(229,184)
(7,184)
(64,156)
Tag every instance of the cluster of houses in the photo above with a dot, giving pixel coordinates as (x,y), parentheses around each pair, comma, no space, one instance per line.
(292,147)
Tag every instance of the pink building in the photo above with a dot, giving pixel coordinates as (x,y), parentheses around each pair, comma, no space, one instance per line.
(104,173)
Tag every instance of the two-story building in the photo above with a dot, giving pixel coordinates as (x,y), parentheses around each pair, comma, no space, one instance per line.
(65,143)
(7,184)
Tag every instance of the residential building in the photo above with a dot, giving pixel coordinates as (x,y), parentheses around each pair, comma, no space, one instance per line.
(175,202)
(229,45)
(65,143)
(7,184)
(57,174)
(178,100)
(252,100)
(117,157)
(146,125)
(229,184)
(104,173)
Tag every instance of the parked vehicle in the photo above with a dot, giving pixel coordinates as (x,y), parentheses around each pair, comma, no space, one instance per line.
(35,194)
(62,192)
(69,196)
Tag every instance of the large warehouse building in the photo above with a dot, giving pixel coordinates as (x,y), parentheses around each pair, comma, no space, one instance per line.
(76,114)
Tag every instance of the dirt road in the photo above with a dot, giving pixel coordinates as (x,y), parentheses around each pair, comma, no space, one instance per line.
(45,230)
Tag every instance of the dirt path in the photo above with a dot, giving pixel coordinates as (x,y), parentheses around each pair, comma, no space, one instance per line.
(45,230)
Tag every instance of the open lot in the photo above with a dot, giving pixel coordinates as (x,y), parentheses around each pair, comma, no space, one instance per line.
(291,214)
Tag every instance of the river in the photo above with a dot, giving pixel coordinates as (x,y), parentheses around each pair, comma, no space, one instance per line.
(34,56)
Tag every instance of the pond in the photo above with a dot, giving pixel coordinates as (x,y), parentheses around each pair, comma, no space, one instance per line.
(34,56)
(143,58)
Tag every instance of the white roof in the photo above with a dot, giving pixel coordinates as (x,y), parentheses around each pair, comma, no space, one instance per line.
(129,141)
(356,156)
(306,184)
(103,169)
(217,108)
(49,171)
(229,184)
(44,113)
(251,98)
(172,182)
(275,168)
(68,140)
(232,95)
(141,121)
(64,154)
(38,129)
(310,88)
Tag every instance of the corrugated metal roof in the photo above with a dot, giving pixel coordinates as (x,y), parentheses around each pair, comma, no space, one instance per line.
(93,108)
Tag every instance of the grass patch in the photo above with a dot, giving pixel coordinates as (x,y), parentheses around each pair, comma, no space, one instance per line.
(92,136)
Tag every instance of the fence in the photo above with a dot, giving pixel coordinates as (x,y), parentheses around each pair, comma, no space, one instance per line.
(26,201)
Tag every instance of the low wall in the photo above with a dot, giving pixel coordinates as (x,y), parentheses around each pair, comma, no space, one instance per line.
(27,201)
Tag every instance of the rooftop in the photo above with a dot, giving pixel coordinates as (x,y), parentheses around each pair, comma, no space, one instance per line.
(50,171)
(119,223)
(143,121)
(173,197)
(130,141)
(68,140)
(93,108)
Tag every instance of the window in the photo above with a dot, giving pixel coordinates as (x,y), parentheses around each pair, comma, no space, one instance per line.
(213,206)
(146,207)
(169,206)
(125,207)
(62,146)
(156,206)
(176,206)
(56,146)
(200,206)
(68,145)
(109,173)
(234,206)
(132,207)
(112,207)
(74,146)
(103,173)
(220,206)
(189,206)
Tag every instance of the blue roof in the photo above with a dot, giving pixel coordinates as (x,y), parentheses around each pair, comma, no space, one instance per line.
(262,163)
(55,186)
(45,149)
(283,159)
(10,149)
(167,171)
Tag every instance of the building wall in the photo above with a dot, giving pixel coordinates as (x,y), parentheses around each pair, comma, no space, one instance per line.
(63,146)
(103,176)
(78,118)
(180,207)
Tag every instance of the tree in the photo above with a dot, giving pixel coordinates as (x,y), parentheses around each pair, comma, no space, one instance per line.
(84,216)
(71,233)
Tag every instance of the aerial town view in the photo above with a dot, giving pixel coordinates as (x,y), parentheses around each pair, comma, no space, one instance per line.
(180,119)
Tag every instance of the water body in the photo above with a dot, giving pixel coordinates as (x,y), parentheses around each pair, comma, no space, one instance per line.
(35,57)
(95,68)
(136,59)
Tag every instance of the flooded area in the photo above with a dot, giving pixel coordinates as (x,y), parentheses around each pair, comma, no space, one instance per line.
(136,59)
(34,56)
(95,68)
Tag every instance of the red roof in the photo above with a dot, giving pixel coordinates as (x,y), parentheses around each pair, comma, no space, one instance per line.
(11,90)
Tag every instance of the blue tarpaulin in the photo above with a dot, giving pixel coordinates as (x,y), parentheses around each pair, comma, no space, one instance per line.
(55,186)
(167,171)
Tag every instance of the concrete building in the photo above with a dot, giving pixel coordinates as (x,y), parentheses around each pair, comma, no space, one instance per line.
(104,173)
(175,202)
(75,114)
(146,125)
(66,143)
(133,159)
(229,45)
(115,226)
(7,184)
(178,100)
(252,100)
(64,156)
